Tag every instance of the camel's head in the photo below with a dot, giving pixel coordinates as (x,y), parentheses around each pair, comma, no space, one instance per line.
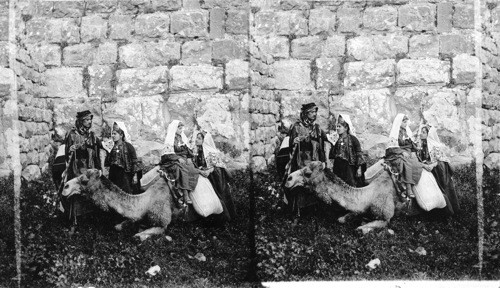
(308,177)
(81,183)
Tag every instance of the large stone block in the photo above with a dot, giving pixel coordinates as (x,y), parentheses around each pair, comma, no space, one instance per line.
(68,9)
(265,134)
(382,18)
(307,47)
(258,164)
(228,49)
(146,118)
(65,83)
(162,52)
(196,52)
(274,46)
(495,18)
(93,27)
(166,5)
(291,102)
(463,16)
(133,55)
(79,55)
(150,54)
(37,30)
(349,19)
(427,71)
(491,101)
(142,81)
(191,4)
(217,21)
(292,75)
(4,54)
(265,23)
(407,98)
(31,172)
(262,120)
(442,110)
(492,161)
(237,74)
(424,46)
(328,73)
(219,115)
(202,77)
(369,74)
(489,44)
(100,82)
(454,44)
(368,109)
(264,106)
(291,23)
(100,6)
(334,46)
(237,22)
(135,6)
(190,23)
(154,25)
(465,68)
(107,53)
(48,54)
(53,30)
(417,17)
(120,27)
(4,28)
(182,106)
(377,47)
(321,21)
(444,17)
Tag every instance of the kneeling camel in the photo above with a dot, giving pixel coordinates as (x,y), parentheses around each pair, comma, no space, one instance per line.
(155,204)
(378,198)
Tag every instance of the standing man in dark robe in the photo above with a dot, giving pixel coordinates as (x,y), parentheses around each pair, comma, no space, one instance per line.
(82,152)
(307,143)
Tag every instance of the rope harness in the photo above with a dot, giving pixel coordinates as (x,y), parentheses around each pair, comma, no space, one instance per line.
(394,175)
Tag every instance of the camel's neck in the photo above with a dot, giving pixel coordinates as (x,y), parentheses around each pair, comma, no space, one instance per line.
(109,195)
(350,198)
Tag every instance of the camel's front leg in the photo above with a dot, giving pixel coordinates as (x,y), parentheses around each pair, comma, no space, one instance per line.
(372,225)
(347,217)
(150,232)
(121,226)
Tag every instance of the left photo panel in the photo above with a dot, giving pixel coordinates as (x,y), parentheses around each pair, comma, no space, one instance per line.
(125,131)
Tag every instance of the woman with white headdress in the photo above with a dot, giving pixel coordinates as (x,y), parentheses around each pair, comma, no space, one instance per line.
(122,159)
(403,155)
(402,132)
(209,162)
(180,160)
(349,163)
(433,155)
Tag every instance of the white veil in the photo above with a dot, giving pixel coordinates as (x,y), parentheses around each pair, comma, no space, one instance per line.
(169,139)
(347,119)
(122,126)
(396,126)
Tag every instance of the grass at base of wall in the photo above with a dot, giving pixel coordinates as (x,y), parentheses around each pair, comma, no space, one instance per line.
(7,236)
(491,200)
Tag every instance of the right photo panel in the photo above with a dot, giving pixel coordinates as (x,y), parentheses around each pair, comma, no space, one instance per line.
(366,140)
(490,11)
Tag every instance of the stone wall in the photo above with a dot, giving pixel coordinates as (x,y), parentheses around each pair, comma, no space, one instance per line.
(491,99)
(6,101)
(142,62)
(369,59)
(34,107)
